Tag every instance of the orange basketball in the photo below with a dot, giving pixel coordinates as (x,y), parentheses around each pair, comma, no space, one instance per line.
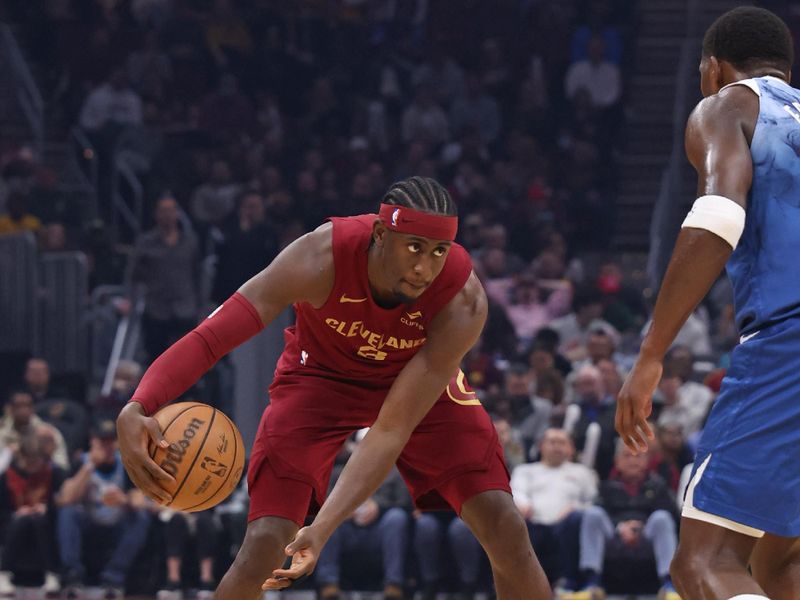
(208,459)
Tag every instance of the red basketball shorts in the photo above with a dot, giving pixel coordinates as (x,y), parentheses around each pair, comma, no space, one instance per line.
(452,455)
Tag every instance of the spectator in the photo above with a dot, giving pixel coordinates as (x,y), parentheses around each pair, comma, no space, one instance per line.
(17,218)
(545,392)
(669,453)
(697,396)
(549,339)
(694,334)
(595,407)
(528,310)
(425,120)
(612,379)
(53,238)
(513,450)
(551,494)
(247,247)
(21,420)
(111,103)
(574,328)
(429,530)
(99,502)
(634,508)
(166,261)
(514,402)
(227,112)
(27,492)
(37,379)
(597,75)
(442,73)
(672,406)
(201,529)
(214,200)
(380,526)
(475,110)
(228,36)
(126,378)
(150,69)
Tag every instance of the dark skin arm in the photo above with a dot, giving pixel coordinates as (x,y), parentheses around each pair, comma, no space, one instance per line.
(718,137)
(303,271)
(452,333)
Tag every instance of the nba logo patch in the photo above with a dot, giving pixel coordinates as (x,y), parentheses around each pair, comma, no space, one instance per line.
(395,216)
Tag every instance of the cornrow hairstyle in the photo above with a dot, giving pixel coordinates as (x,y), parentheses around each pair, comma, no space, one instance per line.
(750,38)
(423,194)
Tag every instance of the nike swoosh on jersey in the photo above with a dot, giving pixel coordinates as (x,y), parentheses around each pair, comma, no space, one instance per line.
(744,338)
(344,298)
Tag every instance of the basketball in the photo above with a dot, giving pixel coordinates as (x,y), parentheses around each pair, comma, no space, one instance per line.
(206,454)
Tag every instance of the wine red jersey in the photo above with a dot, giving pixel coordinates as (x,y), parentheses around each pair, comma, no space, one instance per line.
(352,338)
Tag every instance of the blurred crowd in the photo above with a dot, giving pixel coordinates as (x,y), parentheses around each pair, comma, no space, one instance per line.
(254,121)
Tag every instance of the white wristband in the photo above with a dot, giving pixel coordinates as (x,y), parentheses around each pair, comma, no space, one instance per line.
(719,215)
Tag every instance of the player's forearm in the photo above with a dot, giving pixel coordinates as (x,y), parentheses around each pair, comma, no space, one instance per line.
(183,363)
(697,261)
(366,470)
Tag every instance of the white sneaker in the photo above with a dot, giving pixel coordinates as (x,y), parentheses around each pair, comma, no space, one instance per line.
(7,589)
(169,595)
(204,595)
(52,585)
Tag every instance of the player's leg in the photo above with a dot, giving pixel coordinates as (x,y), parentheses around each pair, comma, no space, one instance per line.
(711,562)
(499,527)
(278,507)
(775,564)
(261,553)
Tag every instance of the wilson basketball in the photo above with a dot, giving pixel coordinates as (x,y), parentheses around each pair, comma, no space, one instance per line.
(206,454)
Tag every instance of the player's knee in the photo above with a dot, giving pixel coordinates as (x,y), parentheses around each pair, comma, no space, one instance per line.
(505,533)
(685,570)
(265,539)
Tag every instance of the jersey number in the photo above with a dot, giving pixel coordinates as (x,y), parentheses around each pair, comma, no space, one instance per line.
(373,353)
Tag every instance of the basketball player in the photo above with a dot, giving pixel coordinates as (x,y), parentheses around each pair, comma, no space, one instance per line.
(387,305)
(744,141)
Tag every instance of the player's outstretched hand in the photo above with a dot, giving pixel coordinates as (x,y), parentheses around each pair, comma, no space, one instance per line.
(304,551)
(134,431)
(635,403)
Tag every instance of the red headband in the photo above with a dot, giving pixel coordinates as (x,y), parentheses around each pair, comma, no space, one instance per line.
(415,222)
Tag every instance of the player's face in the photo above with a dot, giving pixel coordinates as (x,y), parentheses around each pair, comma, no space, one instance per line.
(411,263)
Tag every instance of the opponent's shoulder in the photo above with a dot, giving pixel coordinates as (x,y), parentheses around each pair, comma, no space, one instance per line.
(737,102)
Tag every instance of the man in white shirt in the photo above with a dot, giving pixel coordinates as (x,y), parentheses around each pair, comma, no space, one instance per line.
(597,75)
(550,494)
(112,102)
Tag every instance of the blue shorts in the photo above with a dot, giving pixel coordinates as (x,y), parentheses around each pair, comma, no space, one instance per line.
(752,437)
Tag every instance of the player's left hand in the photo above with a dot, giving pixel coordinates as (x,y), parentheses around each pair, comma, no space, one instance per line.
(635,403)
(304,551)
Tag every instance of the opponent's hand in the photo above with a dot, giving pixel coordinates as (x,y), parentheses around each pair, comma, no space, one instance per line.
(134,431)
(635,403)
(304,551)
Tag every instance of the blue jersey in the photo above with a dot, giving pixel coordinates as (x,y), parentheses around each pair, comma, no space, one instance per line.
(765,267)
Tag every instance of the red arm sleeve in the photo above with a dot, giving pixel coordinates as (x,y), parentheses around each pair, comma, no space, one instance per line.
(183,363)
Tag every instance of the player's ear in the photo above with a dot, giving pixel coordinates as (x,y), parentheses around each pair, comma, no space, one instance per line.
(378,232)
(716,73)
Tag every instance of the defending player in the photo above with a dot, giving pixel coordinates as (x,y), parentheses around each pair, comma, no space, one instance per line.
(386,307)
(744,141)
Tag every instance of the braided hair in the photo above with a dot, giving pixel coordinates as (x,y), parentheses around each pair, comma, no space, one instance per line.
(423,194)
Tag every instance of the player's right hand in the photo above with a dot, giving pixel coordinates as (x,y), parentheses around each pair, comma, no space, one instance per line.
(635,403)
(134,431)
